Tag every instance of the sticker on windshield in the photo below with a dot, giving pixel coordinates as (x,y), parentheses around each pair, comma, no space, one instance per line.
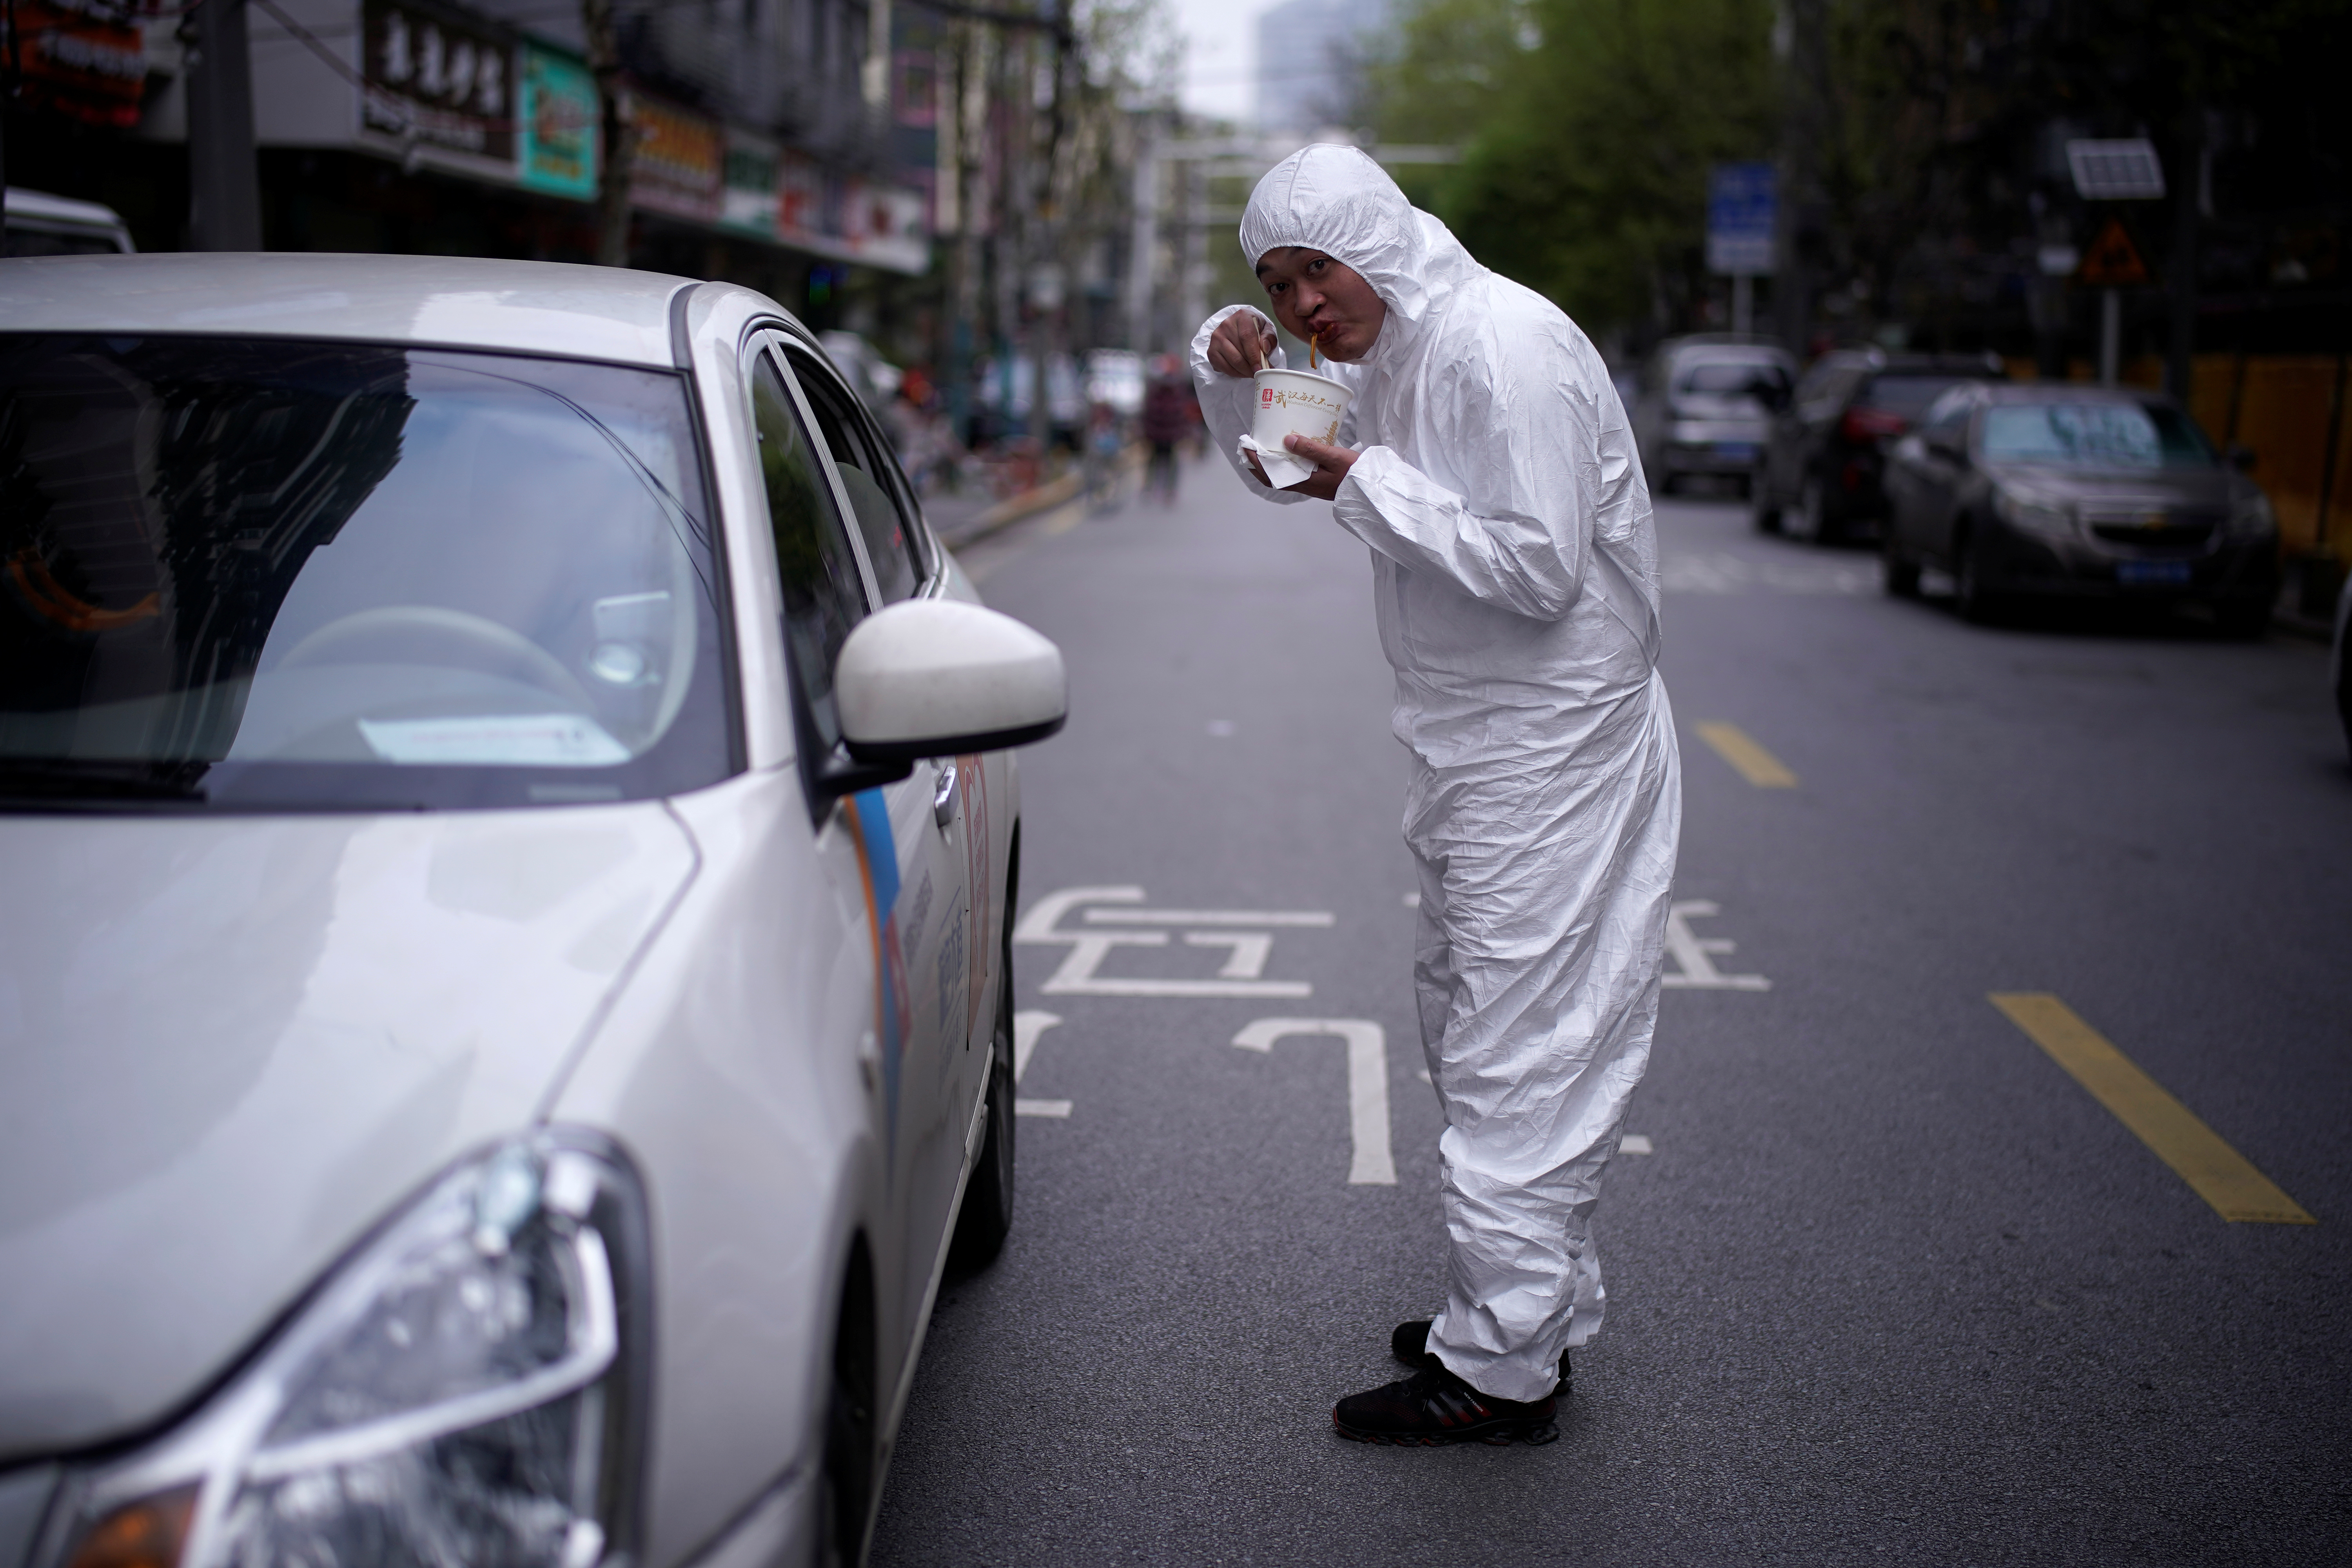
(512,741)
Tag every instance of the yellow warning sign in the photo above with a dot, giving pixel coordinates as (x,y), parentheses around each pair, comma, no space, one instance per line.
(2113,261)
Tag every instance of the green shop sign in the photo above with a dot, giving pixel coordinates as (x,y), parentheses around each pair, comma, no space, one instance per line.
(559,124)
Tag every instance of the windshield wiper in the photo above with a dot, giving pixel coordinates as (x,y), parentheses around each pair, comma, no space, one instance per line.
(51,781)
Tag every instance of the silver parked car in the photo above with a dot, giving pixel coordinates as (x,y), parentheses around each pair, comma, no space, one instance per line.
(39,224)
(505,1009)
(1706,406)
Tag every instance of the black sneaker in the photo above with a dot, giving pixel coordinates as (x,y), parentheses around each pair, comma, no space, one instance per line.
(1430,1409)
(1409,1344)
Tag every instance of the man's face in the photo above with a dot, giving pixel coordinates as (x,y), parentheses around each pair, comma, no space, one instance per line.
(1318,298)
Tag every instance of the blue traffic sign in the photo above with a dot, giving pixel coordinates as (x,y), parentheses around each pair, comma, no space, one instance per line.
(1742,211)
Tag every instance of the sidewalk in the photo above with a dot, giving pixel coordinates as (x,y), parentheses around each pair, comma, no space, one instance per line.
(970,516)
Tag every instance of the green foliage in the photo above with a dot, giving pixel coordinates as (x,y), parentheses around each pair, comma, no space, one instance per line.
(1589,127)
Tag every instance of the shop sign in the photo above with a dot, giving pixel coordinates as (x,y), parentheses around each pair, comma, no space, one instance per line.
(887,226)
(800,199)
(679,165)
(437,82)
(81,57)
(749,200)
(559,114)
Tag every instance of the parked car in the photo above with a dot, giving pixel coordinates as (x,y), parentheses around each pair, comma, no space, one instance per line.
(1821,474)
(509,846)
(1706,407)
(861,364)
(2063,492)
(39,223)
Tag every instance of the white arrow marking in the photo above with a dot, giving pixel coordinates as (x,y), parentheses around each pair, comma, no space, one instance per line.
(1368,1086)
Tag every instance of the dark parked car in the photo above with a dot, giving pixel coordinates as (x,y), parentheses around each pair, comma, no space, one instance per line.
(1821,474)
(1705,405)
(2082,492)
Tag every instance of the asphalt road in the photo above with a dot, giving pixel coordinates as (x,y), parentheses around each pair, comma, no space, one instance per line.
(1890,1287)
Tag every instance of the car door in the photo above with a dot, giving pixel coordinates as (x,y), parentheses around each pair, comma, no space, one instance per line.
(916,837)
(1937,469)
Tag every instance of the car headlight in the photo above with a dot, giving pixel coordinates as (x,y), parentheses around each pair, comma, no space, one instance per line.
(2033,516)
(2252,518)
(467,1388)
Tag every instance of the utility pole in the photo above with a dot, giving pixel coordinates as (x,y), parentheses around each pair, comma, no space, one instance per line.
(1143,239)
(616,134)
(978,63)
(2187,192)
(224,187)
(1801,37)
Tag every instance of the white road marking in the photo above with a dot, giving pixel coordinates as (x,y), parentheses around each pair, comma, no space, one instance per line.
(1221,726)
(1368,1086)
(1027,1027)
(1693,969)
(1241,974)
(1247,955)
(1724,573)
(1039,924)
(1634,1143)
(1314,918)
(1041,1108)
(1413,900)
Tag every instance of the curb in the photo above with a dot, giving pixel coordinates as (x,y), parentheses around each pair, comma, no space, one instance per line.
(1029,503)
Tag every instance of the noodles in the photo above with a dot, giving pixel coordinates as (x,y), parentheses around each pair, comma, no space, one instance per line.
(1315,351)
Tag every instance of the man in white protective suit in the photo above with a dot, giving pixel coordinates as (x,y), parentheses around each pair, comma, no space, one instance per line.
(1486,460)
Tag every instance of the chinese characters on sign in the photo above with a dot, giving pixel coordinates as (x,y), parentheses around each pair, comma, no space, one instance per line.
(681,161)
(432,80)
(81,57)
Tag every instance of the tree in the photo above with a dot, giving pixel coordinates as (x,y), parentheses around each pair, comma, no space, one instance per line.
(1589,127)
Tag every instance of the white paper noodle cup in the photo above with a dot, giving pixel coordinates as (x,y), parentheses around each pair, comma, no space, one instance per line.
(1292,403)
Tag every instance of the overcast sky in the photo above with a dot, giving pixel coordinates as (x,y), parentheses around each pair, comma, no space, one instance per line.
(1219,55)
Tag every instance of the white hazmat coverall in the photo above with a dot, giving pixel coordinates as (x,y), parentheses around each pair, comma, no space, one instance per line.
(1515,576)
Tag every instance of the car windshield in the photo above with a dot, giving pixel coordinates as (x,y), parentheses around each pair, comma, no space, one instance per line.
(1730,378)
(254,572)
(1907,395)
(2094,436)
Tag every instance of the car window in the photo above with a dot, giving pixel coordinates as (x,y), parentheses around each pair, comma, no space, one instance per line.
(1908,394)
(251,573)
(1823,391)
(860,460)
(1730,378)
(2094,436)
(1815,384)
(823,596)
(1948,415)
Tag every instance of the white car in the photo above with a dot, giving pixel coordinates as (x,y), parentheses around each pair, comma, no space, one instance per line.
(508,840)
(39,224)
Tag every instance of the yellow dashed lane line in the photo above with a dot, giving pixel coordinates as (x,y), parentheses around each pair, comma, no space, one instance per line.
(1757,765)
(2221,1176)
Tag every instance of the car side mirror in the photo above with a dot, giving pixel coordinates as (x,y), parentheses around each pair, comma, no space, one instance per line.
(939,677)
(1943,447)
(2241,459)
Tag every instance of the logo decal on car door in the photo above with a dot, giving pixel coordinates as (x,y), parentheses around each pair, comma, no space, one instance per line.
(877,869)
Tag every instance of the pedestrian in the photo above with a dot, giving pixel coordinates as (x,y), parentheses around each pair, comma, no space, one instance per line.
(1166,419)
(1486,460)
(1102,443)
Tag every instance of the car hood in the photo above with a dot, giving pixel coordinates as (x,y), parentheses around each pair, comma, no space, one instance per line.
(229,1046)
(2186,489)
